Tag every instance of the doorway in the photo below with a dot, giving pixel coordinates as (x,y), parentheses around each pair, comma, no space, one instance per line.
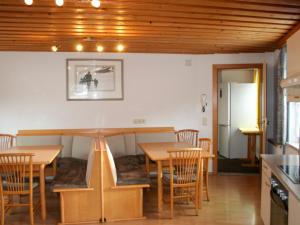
(238,107)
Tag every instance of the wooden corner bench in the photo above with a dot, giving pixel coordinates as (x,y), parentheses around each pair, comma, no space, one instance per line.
(96,196)
(122,200)
(76,198)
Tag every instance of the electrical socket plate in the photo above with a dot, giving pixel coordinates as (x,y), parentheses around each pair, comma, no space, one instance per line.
(139,121)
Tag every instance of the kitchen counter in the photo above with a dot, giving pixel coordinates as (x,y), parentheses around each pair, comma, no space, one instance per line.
(252,130)
(274,161)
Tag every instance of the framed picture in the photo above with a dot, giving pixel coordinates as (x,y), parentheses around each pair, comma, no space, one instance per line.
(94,79)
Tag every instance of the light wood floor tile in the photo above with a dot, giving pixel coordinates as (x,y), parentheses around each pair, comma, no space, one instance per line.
(234,200)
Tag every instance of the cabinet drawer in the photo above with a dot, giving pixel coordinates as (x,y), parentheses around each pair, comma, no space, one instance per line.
(265,209)
(294,209)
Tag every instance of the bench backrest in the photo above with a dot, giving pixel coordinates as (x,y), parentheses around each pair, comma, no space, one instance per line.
(127,144)
(76,146)
(122,141)
(90,165)
(112,166)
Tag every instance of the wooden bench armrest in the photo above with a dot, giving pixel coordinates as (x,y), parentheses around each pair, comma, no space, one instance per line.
(130,186)
(72,189)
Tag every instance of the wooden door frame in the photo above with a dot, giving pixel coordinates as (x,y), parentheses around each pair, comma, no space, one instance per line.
(216,69)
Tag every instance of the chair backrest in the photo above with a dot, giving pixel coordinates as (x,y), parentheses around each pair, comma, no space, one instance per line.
(16,172)
(6,141)
(204,143)
(188,135)
(185,164)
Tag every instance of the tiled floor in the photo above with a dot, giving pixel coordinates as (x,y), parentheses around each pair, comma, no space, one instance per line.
(235,200)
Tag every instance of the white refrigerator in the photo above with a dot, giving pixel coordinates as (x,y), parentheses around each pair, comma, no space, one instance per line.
(237,108)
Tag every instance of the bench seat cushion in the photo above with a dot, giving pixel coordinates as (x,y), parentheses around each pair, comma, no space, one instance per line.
(129,162)
(131,170)
(134,181)
(71,173)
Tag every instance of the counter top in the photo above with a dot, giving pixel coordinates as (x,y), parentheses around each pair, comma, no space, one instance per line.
(274,161)
(252,130)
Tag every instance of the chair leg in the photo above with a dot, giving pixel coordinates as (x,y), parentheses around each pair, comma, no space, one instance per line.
(2,210)
(31,209)
(171,202)
(206,187)
(197,200)
(206,181)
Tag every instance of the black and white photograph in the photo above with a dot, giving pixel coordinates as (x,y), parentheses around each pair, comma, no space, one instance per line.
(94,79)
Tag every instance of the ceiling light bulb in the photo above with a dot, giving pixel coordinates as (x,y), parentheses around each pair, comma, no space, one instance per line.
(54,48)
(120,47)
(96,3)
(79,47)
(28,2)
(100,48)
(59,2)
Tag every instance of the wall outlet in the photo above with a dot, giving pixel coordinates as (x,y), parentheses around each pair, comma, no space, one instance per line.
(139,121)
(204,121)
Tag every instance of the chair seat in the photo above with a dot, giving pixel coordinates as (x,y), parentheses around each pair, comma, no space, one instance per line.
(167,178)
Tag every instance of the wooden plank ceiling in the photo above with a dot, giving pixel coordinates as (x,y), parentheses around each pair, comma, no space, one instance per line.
(161,26)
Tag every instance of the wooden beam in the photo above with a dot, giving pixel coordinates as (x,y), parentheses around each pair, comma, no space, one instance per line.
(284,39)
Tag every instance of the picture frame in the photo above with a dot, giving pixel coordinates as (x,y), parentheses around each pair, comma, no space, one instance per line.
(94,79)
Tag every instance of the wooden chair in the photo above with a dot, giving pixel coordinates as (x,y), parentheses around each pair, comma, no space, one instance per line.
(205,144)
(188,135)
(6,141)
(184,179)
(16,180)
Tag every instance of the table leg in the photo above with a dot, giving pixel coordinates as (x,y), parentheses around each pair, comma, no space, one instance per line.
(147,165)
(251,151)
(159,186)
(201,184)
(249,148)
(42,192)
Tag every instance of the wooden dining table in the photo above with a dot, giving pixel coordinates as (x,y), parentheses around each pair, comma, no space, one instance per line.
(251,133)
(158,152)
(42,156)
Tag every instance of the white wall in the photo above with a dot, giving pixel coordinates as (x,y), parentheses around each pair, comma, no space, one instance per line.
(293,52)
(158,88)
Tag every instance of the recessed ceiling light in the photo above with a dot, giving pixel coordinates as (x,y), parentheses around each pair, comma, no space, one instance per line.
(96,3)
(59,2)
(120,47)
(54,48)
(100,48)
(28,2)
(79,47)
